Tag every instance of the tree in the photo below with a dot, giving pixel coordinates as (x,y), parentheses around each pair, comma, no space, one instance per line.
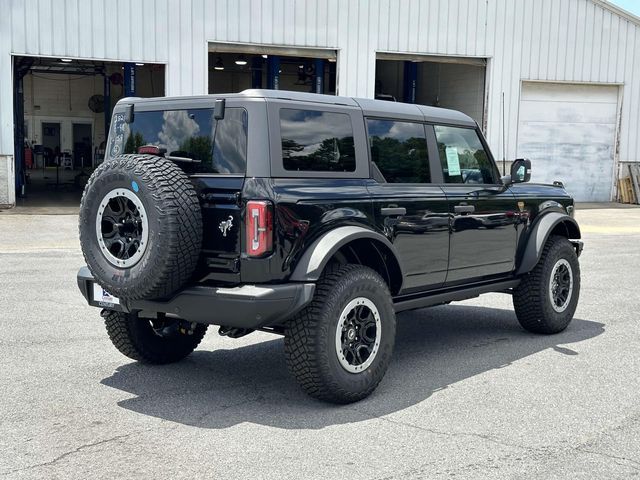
(134,141)
(199,148)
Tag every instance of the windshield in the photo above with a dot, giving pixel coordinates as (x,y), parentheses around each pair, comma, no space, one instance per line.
(216,146)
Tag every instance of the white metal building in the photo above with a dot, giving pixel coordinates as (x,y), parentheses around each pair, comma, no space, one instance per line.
(568,70)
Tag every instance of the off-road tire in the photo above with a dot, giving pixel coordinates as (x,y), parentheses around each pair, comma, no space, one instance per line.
(135,338)
(174,226)
(310,336)
(531,299)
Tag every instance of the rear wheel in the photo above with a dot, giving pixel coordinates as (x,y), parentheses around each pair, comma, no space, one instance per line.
(546,299)
(339,347)
(156,341)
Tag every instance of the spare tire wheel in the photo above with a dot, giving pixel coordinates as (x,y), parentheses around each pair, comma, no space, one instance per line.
(140,227)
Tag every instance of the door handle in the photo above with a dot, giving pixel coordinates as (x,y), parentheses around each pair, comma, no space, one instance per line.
(393,211)
(464,208)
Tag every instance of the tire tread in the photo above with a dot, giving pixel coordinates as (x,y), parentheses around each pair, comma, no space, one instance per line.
(131,342)
(529,296)
(307,361)
(179,226)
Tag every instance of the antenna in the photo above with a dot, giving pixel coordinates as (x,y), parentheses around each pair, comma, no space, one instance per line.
(504,140)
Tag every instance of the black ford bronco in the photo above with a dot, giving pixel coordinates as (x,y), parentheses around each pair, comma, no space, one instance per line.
(314,217)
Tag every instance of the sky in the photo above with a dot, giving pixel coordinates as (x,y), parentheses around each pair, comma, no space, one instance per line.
(632,6)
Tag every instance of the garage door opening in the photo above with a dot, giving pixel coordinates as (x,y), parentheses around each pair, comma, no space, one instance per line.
(234,68)
(568,132)
(447,82)
(62,110)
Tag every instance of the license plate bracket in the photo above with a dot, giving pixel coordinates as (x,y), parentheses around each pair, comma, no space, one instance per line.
(101,298)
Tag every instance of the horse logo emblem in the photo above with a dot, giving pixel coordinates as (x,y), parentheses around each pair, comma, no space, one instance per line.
(226,225)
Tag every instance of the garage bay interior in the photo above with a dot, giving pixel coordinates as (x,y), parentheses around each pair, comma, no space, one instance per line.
(64,108)
(234,68)
(447,82)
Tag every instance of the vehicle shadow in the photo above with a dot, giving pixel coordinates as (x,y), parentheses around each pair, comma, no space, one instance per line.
(435,347)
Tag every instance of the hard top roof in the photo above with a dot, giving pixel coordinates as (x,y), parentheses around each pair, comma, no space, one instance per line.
(369,107)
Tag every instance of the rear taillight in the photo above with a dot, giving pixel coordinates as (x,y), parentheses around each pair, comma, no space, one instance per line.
(259,227)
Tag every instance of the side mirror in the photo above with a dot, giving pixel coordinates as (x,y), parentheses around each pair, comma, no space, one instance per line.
(521,170)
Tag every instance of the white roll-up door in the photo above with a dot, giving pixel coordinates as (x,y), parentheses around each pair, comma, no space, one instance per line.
(569,133)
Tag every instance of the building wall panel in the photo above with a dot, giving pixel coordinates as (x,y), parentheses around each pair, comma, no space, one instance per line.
(552,40)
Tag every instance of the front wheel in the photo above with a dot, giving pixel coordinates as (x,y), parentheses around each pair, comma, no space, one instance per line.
(339,347)
(155,341)
(546,299)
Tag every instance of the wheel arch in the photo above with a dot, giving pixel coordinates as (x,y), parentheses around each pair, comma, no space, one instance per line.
(351,244)
(552,223)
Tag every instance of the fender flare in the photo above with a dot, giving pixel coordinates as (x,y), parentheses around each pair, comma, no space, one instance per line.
(539,234)
(318,254)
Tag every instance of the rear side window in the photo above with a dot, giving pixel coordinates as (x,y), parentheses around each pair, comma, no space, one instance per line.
(216,146)
(399,151)
(316,141)
(463,157)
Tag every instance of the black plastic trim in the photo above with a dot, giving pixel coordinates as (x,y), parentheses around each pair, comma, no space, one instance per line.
(247,306)
(540,232)
(578,245)
(85,282)
(316,257)
(411,302)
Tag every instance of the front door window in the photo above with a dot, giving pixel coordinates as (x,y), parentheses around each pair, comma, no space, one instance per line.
(463,157)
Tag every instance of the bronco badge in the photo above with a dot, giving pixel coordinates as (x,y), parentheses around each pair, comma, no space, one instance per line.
(226,225)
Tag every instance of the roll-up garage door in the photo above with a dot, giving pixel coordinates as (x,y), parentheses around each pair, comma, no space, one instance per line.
(569,133)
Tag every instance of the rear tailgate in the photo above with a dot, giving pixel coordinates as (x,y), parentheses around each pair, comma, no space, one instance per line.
(212,150)
(221,216)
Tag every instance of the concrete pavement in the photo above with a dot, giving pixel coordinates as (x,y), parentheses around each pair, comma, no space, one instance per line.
(469,394)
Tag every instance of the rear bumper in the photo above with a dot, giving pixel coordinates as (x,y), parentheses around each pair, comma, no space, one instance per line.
(246,306)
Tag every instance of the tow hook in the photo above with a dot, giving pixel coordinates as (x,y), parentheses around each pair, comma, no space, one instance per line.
(234,332)
(186,328)
(181,326)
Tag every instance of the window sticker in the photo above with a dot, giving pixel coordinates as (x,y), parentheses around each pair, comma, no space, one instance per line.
(453,160)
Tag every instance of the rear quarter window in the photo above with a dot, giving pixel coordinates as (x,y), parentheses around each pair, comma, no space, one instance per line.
(317,141)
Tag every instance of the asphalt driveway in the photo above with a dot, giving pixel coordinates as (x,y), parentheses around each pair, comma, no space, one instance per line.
(469,393)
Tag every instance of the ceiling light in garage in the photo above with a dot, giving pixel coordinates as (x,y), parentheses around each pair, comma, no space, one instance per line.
(66,60)
(242,60)
(218,65)
(265,56)
(139,64)
(332,60)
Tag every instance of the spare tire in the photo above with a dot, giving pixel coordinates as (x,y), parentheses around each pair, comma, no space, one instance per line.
(140,227)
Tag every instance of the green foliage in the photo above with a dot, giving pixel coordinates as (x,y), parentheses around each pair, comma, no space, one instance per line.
(290,146)
(134,142)
(401,161)
(199,148)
